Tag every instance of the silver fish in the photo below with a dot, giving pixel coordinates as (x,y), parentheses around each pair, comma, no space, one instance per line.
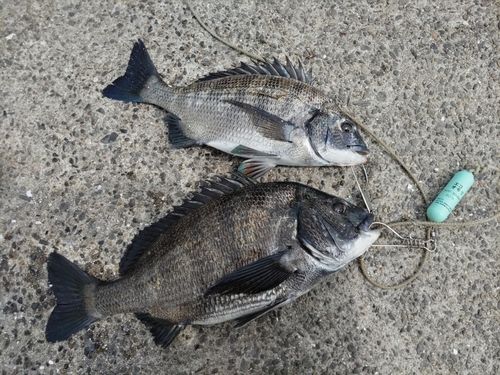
(235,250)
(269,113)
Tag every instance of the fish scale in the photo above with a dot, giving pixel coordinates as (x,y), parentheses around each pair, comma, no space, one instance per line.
(270,114)
(234,250)
(267,93)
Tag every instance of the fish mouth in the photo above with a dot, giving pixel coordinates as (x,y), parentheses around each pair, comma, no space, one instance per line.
(360,149)
(341,244)
(364,226)
(346,249)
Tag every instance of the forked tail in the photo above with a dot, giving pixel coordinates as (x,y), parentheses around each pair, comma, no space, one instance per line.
(140,69)
(68,284)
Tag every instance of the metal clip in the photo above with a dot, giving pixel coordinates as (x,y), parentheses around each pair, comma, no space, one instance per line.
(429,245)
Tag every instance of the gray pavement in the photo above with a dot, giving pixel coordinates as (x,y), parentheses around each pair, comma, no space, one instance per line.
(81,174)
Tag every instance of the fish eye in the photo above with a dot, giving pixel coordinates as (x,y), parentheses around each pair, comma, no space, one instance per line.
(339,208)
(347,127)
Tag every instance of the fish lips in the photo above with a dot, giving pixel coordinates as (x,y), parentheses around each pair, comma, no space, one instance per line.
(352,140)
(366,223)
(360,149)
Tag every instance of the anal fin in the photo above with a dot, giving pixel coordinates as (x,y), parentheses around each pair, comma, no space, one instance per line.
(255,168)
(164,332)
(176,136)
(240,322)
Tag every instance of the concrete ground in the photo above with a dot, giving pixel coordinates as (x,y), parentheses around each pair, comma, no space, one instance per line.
(81,174)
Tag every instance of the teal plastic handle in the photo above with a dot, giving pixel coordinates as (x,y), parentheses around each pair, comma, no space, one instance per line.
(449,197)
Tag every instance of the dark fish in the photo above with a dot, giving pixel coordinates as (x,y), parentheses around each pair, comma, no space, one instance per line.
(235,250)
(268,113)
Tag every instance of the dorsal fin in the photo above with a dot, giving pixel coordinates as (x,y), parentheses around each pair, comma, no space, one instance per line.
(210,189)
(268,68)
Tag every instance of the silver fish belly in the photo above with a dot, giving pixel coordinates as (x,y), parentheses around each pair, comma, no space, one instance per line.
(269,114)
(234,251)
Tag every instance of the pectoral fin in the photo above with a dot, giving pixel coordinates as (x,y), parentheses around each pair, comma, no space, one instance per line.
(248,152)
(257,277)
(267,124)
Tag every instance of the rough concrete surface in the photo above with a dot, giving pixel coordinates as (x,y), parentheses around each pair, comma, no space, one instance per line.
(81,174)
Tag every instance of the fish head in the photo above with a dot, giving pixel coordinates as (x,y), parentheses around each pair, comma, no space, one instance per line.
(334,231)
(336,139)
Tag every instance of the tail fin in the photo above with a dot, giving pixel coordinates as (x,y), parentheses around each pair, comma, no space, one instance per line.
(68,283)
(140,68)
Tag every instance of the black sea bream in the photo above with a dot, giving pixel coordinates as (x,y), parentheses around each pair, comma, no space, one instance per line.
(234,251)
(269,114)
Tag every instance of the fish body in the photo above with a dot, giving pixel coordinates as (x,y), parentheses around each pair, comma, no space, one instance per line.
(269,114)
(234,251)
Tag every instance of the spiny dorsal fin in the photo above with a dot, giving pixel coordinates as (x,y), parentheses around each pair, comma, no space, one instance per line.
(211,189)
(268,68)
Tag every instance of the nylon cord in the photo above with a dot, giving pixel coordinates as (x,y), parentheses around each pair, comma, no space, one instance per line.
(211,32)
(428,224)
